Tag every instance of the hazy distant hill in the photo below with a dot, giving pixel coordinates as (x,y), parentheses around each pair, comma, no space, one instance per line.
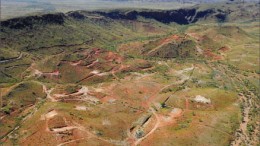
(185,1)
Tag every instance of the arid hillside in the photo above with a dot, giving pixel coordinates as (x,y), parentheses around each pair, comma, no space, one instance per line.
(132,77)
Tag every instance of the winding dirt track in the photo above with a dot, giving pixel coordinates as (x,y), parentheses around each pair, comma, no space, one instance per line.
(241,135)
(71,141)
(83,129)
(33,110)
(157,124)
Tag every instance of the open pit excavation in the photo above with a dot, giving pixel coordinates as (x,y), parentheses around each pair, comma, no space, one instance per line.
(120,76)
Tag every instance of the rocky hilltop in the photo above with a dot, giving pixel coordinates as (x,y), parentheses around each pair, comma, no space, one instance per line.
(229,13)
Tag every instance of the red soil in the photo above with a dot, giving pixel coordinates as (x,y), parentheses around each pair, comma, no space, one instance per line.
(170,119)
(170,39)
(97,51)
(194,35)
(98,95)
(210,54)
(111,56)
(224,49)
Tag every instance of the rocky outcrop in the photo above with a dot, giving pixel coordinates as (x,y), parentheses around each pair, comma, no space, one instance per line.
(76,15)
(30,21)
(181,16)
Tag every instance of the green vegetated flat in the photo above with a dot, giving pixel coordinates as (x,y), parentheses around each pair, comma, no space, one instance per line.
(187,76)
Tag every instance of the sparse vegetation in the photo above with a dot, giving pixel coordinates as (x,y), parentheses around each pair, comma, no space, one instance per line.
(131,77)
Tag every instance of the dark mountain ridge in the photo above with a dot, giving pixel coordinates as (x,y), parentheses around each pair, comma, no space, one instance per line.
(179,16)
(29,21)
